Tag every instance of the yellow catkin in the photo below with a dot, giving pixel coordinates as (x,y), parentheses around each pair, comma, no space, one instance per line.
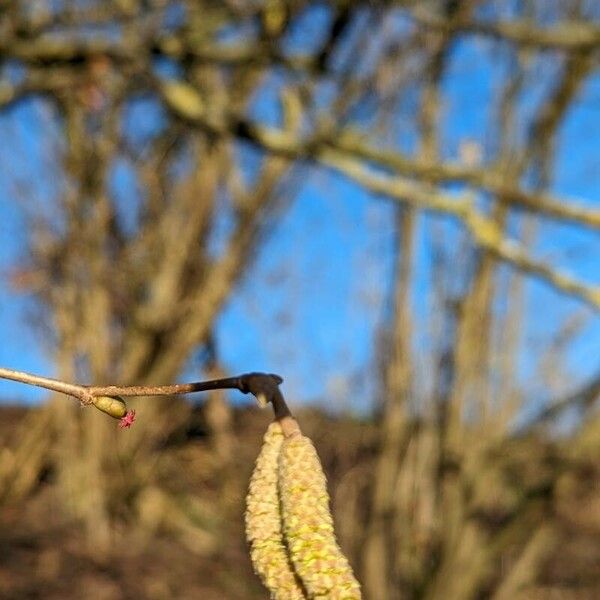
(308,525)
(263,523)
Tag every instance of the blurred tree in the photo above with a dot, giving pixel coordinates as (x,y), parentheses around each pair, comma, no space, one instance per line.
(180,130)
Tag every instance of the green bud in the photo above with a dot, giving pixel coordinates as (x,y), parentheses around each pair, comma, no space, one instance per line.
(111,405)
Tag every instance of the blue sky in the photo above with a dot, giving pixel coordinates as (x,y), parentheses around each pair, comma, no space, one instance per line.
(316,296)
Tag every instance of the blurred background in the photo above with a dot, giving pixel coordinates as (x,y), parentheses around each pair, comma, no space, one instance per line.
(394,205)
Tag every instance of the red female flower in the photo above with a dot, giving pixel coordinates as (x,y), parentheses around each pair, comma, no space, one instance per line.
(127,420)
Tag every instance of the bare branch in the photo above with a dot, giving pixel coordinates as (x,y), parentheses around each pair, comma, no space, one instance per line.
(489,178)
(568,35)
(70,389)
(483,229)
(265,386)
(582,399)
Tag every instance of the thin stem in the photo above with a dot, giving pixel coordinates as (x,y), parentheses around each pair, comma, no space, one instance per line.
(71,389)
(265,386)
(165,390)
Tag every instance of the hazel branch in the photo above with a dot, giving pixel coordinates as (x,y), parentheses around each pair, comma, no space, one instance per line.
(70,389)
(264,386)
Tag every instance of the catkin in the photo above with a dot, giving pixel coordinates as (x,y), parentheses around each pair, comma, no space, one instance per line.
(263,523)
(308,524)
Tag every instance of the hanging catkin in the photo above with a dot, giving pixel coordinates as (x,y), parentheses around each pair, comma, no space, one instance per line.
(308,524)
(263,523)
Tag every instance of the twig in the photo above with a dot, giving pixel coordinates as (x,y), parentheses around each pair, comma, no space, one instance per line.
(481,228)
(77,391)
(264,386)
(581,399)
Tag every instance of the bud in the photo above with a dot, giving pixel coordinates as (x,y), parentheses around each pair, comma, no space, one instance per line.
(308,524)
(111,405)
(263,523)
